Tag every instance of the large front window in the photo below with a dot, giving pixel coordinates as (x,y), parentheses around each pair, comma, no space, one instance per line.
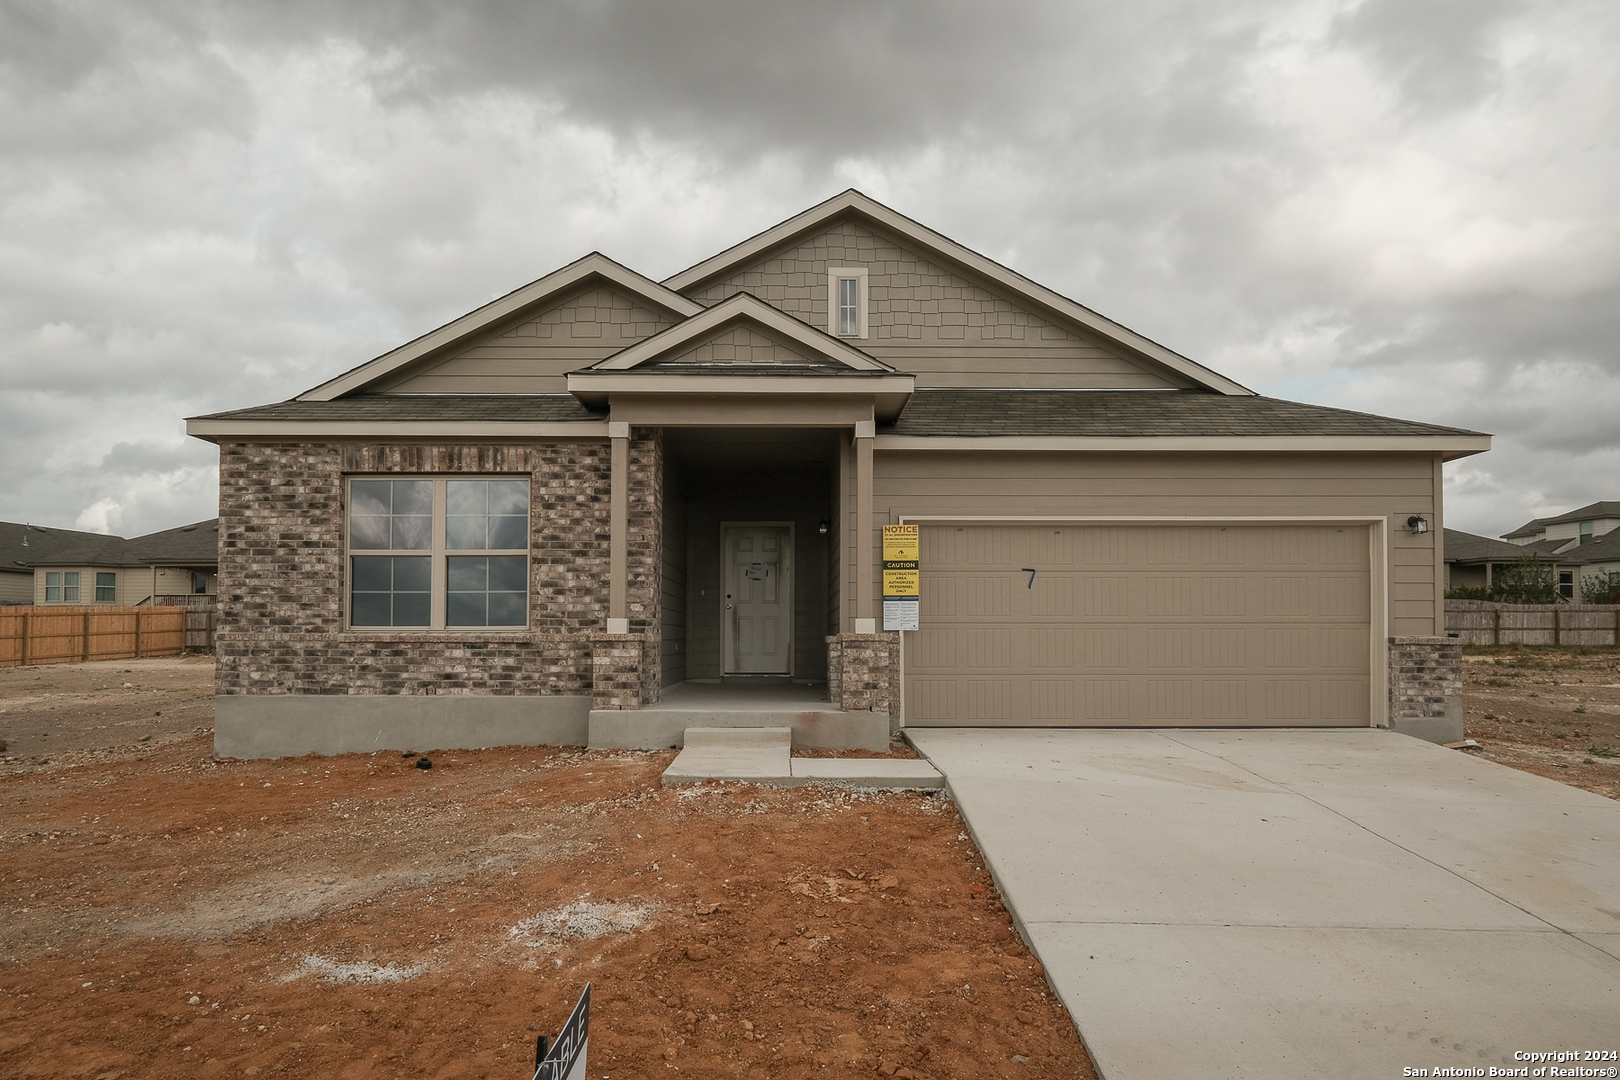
(438,554)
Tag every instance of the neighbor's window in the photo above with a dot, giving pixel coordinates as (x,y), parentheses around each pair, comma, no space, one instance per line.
(62,586)
(438,553)
(106,587)
(199,582)
(846,301)
(1586,532)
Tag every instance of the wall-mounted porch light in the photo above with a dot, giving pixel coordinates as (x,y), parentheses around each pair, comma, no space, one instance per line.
(823,527)
(1416,525)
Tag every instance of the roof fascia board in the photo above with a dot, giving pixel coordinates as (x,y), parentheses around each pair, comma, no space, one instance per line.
(214,430)
(594,383)
(988,268)
(1450,446)
(741,307)
(574,274)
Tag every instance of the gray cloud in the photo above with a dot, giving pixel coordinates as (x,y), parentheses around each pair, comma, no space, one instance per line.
(1403,207)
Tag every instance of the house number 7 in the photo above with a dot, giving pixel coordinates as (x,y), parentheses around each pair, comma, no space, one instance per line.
(1031,573)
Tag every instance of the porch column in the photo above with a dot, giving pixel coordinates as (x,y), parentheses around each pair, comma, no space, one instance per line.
(865,564)
(619,530)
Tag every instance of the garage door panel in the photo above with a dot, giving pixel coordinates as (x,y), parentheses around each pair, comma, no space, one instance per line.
(1137,625)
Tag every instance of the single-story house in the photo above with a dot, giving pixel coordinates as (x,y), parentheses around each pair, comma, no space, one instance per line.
(1473,561)
(173,567)
(847,458)
(21,545)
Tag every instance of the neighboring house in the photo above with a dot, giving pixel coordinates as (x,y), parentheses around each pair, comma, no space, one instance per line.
(533,523)
(1473,562)
(161,568)
(22,545)
(1566,531)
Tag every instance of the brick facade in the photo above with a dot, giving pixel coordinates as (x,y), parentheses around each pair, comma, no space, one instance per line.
(1425,675)
(282,579)
(863,672)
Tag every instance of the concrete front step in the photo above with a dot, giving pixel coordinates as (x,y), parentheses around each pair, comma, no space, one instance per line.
(658,727)
(764,756)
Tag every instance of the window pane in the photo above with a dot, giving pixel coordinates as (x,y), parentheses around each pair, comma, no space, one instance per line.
(507,609)
(370,497)
(465,533)
(413,533)
(509,497)
(371,609)
(106,587)
(368,532)
(466,609)
(411,609)
(506,533)
(467,497)
(507,574)
(469,575)
(71,578)
(412,496)
(373,574)
(412,573)
(70,586)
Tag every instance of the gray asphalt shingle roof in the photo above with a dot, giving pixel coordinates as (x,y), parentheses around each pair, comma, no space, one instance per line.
(188,545)
(21,546)
(514,407)
(1135,413)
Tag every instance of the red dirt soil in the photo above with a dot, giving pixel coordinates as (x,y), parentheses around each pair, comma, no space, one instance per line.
(170,915)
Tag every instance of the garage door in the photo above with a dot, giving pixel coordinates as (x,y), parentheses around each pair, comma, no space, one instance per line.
(1218,626)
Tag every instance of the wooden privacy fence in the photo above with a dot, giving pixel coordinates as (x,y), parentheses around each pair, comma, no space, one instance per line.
(1480,622)
(66,635)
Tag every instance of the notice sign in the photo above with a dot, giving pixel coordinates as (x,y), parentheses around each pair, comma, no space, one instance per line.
(566,1059)
(902,577)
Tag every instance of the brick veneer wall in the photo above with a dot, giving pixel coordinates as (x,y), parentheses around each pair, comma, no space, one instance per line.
(1424,672)
(863,672)
(281,573)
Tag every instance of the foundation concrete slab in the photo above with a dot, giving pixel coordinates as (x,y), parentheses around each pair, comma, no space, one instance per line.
(1296,902)
(290,725)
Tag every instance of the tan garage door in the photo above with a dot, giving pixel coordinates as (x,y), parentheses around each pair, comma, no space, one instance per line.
(1216,626)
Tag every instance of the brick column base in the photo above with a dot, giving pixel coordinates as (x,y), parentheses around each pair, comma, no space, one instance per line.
(616,671)
(863,672)
(1425,687)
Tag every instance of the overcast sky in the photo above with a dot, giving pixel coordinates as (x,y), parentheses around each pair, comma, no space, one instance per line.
(1408,207)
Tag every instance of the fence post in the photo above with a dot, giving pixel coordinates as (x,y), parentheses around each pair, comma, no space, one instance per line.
(1496,630)
(138,653)
(1557,635)
(85,651)
(27,629)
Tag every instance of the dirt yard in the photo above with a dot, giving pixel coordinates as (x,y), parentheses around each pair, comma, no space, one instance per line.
(168,914)
(1552,712)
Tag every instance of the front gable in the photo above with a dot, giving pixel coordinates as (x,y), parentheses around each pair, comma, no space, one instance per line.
(935,308)
(526,341)
(535,353)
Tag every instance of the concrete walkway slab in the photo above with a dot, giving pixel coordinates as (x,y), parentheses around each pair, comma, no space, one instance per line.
(1276,903)
(764,756)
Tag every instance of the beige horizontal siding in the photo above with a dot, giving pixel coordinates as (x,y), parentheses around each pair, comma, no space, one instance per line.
(1128,486)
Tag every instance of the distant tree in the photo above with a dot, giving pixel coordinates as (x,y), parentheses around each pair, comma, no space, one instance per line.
(1529,579)
(1600,589)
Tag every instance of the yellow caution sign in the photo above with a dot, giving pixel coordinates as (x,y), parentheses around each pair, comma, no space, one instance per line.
(900,542)
(901,582)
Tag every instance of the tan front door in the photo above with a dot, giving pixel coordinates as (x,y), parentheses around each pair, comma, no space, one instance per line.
(1142,625)
(759,600)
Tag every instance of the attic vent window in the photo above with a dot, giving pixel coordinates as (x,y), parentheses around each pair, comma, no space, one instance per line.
(846,301)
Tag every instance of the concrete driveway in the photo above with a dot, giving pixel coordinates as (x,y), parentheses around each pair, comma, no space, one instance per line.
(1299,903)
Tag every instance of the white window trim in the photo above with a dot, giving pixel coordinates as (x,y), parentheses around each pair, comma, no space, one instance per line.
(835,274)
(437,554)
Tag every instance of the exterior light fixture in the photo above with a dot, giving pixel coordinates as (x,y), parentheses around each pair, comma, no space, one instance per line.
(1416,525)
(823,527)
